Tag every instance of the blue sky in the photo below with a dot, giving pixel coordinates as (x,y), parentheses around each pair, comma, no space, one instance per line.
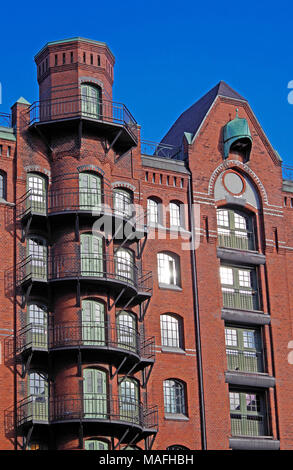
(168,54)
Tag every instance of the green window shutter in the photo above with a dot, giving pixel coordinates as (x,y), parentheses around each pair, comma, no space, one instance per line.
(91,255)
(90,192)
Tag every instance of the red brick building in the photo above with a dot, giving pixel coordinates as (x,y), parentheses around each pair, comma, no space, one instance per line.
(146,296)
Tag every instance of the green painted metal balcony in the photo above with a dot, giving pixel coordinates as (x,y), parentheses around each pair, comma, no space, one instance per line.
(244,361)
(236,239)
(250,425)
(241,299)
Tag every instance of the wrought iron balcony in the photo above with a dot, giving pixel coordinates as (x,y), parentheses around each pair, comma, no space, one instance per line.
(106,114)
(107,270)
(241,299)
(252,425)
(105,338)
(245,361)
(109,411)
(74,200)
(236,239)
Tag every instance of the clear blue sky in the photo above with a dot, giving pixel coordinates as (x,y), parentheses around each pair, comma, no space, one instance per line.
(168,54)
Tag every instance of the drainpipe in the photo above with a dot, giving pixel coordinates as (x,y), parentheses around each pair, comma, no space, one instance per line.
(196,316)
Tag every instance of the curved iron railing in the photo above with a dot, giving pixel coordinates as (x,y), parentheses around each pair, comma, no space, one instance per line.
(83,407)
(88,334)
(78,266)
(84,107)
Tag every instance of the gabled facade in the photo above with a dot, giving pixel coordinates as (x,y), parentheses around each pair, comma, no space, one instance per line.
(146,299)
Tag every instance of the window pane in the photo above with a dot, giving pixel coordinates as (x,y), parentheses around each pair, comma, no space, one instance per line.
(167,269)
(226,275)
(239,221)
(170,331)
(231,337)
(223,218)
(234,401)
(174,399)
(152,211)
(244,278)
(174,214)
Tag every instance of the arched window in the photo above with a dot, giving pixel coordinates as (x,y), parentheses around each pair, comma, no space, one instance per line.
(126,330)
(129,400)
(38,396)
(124,265)
(91,100)
(235,229)
(36,331)
(91,250)
(3,185)
(37,193)
(37,253)
(93,322)
(168,269)
(176,214)
(96,444)
(154,215)
(171,331)
(90,191)
(174,397)
(122,200)
(95,393)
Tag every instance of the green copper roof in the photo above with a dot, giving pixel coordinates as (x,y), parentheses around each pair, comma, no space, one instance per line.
(78,38)
(22,100)
(7,133)
(236,130)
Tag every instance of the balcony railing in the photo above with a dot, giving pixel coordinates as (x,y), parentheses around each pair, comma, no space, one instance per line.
(245,361)
(156,149)
(80,200)
(33,408)
(236,239)
(241,299)
(248,425)
(77,266)
(89,334)
(83,107)
(5,120)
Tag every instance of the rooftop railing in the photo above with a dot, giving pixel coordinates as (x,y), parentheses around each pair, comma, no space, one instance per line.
(156,149)
(5,120)
(83,107)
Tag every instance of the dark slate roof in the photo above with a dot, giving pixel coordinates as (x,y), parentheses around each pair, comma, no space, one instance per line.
(191,119)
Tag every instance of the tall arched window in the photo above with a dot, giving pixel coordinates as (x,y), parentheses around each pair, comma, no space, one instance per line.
(176,214)
(38,396)
(235,229)
(95,393)
(91,100)
(36,330)
(91,250)
(90,191)
(171,331)
(129,400)
(93,322)
(124,265)
(96,444)
(37,193)
(37,253)
(122,200)
(174,397)
(154,209)
(126,330)
(168,269)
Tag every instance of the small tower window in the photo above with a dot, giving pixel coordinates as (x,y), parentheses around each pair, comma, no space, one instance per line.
(56,59)
(99,61)
(71,57)
(84,57)
(92,59)
(64,57)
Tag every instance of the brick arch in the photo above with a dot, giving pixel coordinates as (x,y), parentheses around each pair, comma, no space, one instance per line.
(123,184)
(246,169)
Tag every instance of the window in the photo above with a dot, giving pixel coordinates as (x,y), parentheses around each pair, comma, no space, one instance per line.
(174,397)
(239,288)
(99,61)
(90,191)
(36,331)
(8,151)
(124,265)
(95,393)
(171,331)
(126,330)
(90,100)
(96,444)
(64,57)
(177,447)
(92,59)
(2,185)
(152,212)
(56,59)
(168,269)
(93,322)
(122,202)
(1,148)
(37,252)
(244,349)
(235,230)
(37,193)
(129,400)
(38,394)
(91,249)
(247,412)
(176,214)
